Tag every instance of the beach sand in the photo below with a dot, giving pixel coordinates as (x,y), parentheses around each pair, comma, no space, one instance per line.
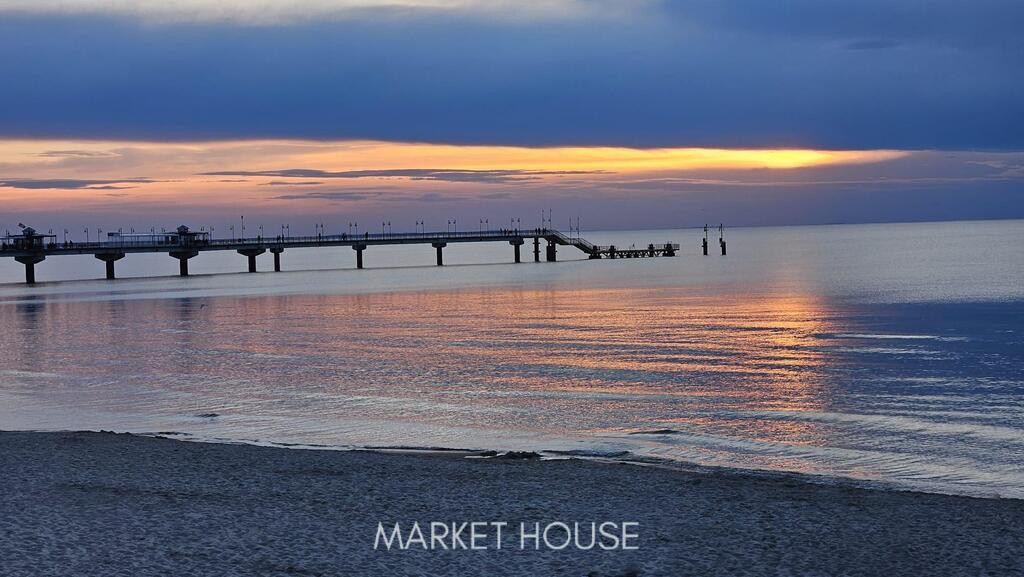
(102,504)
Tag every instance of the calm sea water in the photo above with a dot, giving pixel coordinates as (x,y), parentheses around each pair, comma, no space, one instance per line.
(891,353)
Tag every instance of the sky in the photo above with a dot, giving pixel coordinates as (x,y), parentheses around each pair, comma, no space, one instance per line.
(624,113)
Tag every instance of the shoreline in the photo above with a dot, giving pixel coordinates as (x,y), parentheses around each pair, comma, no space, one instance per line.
(625,457)
(104,503)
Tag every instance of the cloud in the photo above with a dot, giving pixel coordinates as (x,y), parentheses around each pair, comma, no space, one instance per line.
(76,154)
(329,195)
(291,183)
(436,174)
(69,183)
(675,73)
(277,12)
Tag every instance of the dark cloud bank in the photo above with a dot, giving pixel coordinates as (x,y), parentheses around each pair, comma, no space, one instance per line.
(734,73)
(71,183)
(500,176)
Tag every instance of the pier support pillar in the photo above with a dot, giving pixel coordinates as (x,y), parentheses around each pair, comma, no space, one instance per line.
(277,258)
(536,249)
(109,258)
(251,253)
(439,246)
(516,243)
(30,266)
(669,250)
(183,256)
(551,252)
(705,245)
(721,241)
(359,248)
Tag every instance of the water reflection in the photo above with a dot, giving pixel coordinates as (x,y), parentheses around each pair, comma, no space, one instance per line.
(770,379)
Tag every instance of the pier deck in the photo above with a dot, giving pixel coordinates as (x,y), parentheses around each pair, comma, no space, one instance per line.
(31,248)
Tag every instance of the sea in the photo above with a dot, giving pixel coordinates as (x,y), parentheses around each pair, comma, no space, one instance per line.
(883,354)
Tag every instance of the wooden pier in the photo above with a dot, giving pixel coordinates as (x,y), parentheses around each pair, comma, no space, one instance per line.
(31,248)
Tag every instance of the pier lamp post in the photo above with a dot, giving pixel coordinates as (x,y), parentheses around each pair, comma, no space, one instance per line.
(232,227)
(86,234)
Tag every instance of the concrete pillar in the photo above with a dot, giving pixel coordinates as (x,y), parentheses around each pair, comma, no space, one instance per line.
(439,246)
(551,251)
(30,266)
(359,248)
(516,243)
(183,256)
(536,249)
(109,258)
(251,254)
(277,258)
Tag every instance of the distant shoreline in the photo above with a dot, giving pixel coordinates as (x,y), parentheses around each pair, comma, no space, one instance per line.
(99,503)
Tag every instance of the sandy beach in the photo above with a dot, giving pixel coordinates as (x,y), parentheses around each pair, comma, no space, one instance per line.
(83,503)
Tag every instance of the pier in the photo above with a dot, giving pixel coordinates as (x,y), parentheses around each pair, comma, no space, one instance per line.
(31,248)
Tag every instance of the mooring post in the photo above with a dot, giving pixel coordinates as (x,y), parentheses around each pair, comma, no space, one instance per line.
(359,248)
(721,237)
(516,243)
(277,258)
(30,266)
(183,256)
(439,246)
(251,254)
(109,258)
(705,242)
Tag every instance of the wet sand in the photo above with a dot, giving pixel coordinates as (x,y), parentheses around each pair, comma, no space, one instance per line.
(104,504)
